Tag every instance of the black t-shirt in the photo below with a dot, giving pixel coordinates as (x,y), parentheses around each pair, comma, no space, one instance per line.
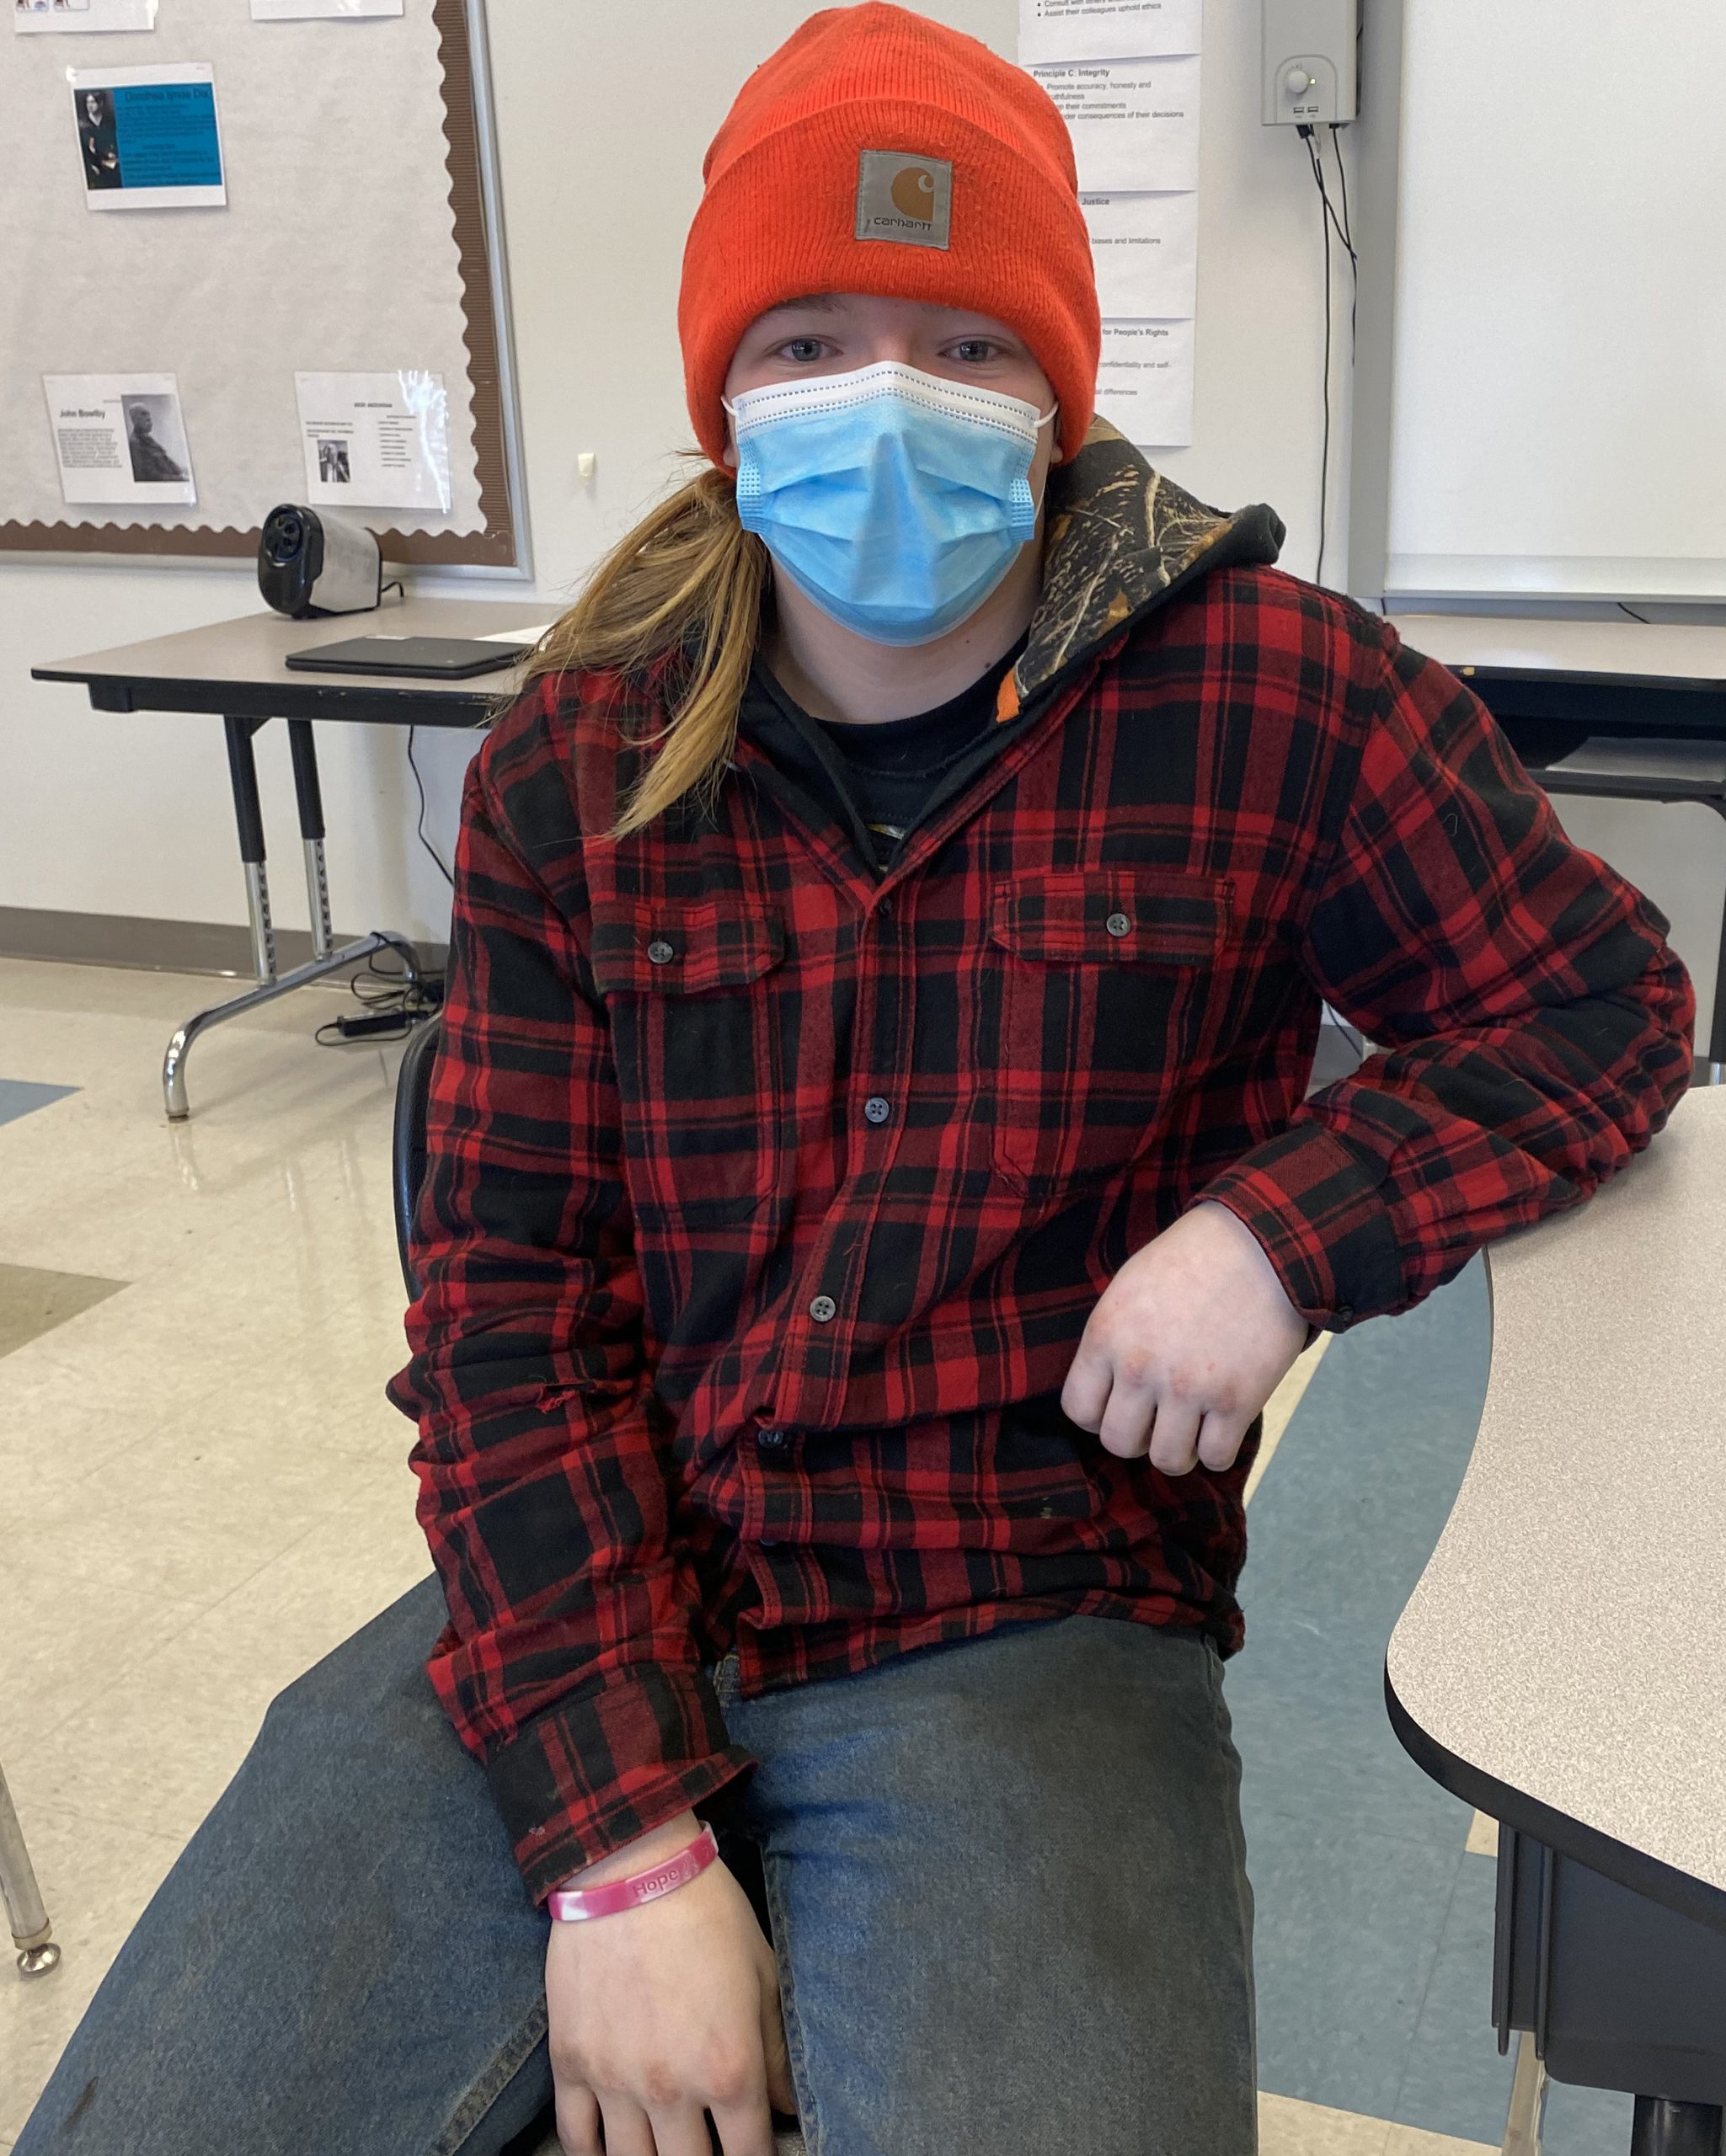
(892,768)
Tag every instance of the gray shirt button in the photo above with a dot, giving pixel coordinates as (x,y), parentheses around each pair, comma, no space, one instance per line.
(876,1109)
(1118,925)
(661,952)
(823,1307)
(770,1440)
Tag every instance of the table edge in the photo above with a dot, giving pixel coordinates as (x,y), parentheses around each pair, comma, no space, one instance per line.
(298,697)
(1478,670)
(1680,1891)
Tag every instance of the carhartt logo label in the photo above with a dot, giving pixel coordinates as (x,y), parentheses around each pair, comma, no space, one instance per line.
(904,198)
(914,193)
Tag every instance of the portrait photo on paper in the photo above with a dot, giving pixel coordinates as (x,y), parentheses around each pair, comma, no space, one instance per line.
(120,437)
(147,137)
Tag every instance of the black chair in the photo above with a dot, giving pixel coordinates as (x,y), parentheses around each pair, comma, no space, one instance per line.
(407,1148)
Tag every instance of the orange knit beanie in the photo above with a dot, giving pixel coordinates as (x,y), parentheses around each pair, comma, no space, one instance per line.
(877,151)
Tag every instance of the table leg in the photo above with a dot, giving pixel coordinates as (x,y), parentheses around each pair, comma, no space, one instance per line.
(31,1931)
(1664,2128)
(243,771)
(1716,1024)
(1528,2101)
(310,797)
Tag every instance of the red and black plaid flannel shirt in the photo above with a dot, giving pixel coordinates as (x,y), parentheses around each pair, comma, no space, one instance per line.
(769,1194)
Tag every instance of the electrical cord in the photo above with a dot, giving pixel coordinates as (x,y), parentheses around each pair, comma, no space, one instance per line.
(1325,223)
(1329,222)
(443,868)
(1336,144)
(1339,225)
(391,1005)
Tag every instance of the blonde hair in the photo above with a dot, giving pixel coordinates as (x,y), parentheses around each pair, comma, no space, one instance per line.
(682,591)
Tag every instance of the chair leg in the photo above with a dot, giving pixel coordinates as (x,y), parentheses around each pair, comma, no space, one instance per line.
(31,1931)
(1528,2101)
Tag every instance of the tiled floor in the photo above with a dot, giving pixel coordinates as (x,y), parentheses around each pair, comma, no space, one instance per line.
(205,1491)
(204,1488)
(34,1300)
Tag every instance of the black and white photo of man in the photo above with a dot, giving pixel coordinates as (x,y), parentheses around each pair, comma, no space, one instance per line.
(332,466)
(152,465)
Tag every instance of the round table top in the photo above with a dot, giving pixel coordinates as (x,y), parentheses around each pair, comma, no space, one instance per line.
(1567,1642)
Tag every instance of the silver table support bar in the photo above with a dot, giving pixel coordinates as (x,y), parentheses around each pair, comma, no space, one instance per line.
(31,1931)
(326,960)
(1528,2101)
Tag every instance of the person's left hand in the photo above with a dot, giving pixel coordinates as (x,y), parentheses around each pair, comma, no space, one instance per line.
(1186,1344)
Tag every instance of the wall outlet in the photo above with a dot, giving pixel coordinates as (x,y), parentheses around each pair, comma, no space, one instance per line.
(1310,61)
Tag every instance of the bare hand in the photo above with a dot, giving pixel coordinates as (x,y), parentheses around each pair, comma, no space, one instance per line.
(662,2012)
(1186,1344)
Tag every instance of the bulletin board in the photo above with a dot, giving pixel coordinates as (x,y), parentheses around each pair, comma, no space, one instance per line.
(360,236)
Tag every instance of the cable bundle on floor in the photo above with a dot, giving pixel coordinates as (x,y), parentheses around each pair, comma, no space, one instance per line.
(391,1005)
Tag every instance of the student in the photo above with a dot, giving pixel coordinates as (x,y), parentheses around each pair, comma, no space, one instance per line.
(871,1199)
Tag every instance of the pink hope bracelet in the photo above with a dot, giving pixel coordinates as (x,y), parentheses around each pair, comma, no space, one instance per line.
(574,1904)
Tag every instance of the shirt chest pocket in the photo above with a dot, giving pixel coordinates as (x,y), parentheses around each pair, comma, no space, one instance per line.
(1105,984)
(689,990)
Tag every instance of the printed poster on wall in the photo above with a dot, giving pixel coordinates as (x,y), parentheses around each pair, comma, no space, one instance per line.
(1144,383)
(33,15)
(1106,30)
(376,440)
(1145,249)
(1134,123)
(147,137)
(120,437)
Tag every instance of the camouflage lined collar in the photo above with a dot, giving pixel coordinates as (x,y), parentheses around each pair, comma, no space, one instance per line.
(1119,539)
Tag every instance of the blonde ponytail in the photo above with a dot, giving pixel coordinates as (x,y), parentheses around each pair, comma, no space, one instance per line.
(686,585)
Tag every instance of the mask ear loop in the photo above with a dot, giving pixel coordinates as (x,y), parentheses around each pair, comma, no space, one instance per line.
(1042,418)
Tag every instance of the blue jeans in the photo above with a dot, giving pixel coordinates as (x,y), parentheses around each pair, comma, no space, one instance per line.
(1004,1879)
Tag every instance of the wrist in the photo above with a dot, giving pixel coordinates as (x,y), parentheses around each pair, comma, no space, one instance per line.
(646,1849)
(652,1882)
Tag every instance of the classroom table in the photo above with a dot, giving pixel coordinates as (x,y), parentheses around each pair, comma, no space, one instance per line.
(235,669)
(1562,1663)
(1554,685)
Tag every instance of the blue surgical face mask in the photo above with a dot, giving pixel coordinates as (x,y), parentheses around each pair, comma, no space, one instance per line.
(895,499)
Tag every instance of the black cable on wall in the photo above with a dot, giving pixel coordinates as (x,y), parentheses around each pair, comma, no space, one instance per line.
(1329,222)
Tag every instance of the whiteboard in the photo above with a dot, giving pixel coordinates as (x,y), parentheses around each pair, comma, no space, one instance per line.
(338,252)
(1560,402)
